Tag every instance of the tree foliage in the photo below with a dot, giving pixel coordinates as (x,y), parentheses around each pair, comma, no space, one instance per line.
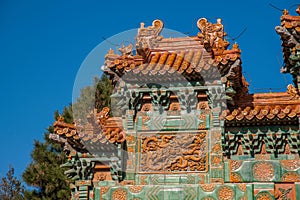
(11,187)
(44,172)
(92,97)
(103,92)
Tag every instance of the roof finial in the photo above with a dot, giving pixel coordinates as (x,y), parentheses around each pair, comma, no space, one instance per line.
(298,10)
(212,35)
(111,51)
(155,29)
(126,50)
(235,46)
(285,12)
(292,91)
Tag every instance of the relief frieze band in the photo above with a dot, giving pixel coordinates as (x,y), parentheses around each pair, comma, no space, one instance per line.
(169,121)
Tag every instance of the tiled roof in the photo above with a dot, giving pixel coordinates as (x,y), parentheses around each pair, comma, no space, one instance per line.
(188,61)
(201,57)
(261,112)
(101,129)
(264,108)
(65,129)
(289,21)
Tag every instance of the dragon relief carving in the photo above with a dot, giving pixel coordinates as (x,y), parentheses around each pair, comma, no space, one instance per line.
(181,152)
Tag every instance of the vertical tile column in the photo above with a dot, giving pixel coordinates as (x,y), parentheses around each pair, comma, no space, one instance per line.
(216,156)
(130,154)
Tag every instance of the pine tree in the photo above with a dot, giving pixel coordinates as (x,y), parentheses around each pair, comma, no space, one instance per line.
(44,172)
(11,187)
(103,91)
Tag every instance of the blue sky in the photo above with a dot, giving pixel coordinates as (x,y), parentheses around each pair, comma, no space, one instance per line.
(43,44)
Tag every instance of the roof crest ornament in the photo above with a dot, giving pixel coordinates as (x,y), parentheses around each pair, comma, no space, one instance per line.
(292,91)
(212,35)
(126,50)
(147,37)
(289,30)
(155,29)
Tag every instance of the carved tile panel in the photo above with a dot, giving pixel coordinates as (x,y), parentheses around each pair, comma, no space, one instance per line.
(180,153)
